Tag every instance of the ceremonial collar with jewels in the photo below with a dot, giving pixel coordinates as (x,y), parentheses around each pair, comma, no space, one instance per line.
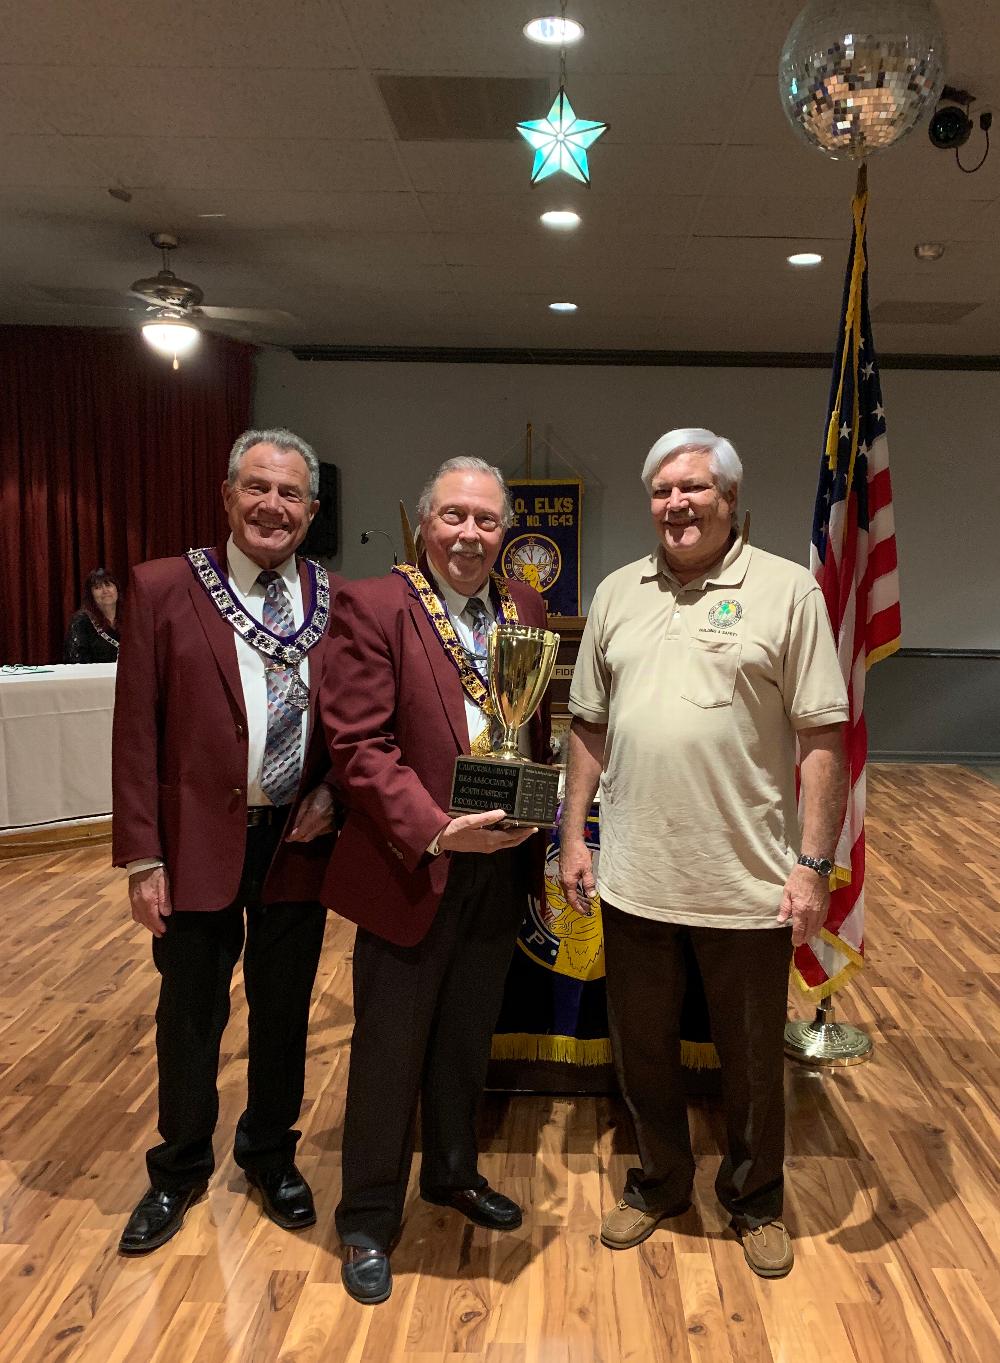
(472,683)
(103,633)
(288,650)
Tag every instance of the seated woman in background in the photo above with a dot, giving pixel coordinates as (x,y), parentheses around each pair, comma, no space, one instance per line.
(93,630)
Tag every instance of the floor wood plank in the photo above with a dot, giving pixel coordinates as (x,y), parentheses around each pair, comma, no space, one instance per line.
(893,1168)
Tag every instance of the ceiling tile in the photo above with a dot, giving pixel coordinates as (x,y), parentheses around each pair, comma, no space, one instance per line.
(643,37)
(588,254)
(748,170)
(782,217)
(264,165)
(271,116)
(602,214)
(290,211)
(105,101)
(188,33)
(44,160)
(647,109)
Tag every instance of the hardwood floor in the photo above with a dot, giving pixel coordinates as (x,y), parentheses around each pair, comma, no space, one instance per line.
(893,1168)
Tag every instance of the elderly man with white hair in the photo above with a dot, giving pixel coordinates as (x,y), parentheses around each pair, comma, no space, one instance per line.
(701,666)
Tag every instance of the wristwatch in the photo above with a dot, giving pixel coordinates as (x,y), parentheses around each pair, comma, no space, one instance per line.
(821,865)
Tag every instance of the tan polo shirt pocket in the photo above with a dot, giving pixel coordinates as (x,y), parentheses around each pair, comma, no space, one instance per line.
(710,670)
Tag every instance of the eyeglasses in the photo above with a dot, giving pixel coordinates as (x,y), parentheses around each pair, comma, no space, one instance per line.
(452,516)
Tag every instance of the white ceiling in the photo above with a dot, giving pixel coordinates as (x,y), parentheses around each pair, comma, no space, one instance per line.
(270,113)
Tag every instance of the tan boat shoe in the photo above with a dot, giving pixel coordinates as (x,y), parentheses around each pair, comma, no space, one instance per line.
(626,1226)
(767,1249)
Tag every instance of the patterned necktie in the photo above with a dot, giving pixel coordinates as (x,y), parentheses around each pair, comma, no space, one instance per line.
(476,613)
(279,774)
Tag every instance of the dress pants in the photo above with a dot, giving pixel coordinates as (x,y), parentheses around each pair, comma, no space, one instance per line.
(424,1018)
(745,974)
(196,957)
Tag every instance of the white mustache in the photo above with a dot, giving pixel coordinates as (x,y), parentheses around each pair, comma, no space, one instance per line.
(467,550)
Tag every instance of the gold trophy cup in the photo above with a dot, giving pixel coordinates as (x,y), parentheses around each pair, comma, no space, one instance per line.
(519,665)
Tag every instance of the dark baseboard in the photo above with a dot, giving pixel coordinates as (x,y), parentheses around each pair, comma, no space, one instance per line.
(962,759)
(700,359)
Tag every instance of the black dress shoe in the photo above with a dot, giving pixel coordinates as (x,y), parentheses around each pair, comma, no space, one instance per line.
(485,1206)
(285,1196)
(158,1216)
(366,1274)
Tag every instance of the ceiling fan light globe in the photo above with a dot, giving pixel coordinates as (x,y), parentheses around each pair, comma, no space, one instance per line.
(170,337)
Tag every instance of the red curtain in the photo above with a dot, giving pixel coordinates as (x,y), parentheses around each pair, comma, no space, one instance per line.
(108,456)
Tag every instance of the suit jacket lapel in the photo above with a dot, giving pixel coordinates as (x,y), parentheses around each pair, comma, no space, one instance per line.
(220,637)
(448,685)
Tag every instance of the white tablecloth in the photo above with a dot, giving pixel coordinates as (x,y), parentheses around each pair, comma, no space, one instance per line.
(55,744)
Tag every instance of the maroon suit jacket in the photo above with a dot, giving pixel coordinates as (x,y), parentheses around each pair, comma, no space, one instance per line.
(393,710)
(179,753)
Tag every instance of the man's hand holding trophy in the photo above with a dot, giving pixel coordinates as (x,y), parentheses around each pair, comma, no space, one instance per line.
(519,665)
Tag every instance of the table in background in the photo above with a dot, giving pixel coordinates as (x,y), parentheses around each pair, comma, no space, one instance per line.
(55,744)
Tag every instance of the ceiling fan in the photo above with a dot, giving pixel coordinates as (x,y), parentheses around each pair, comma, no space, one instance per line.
(170,297)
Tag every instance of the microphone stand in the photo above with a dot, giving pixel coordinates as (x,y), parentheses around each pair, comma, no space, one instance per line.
(366,537)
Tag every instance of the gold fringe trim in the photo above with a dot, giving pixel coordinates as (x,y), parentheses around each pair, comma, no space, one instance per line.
(699,1055)
(877,655)
(566,1050)
(853,962)
(571,1050)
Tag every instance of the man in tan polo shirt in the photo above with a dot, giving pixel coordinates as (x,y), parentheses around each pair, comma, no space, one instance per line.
(700,667)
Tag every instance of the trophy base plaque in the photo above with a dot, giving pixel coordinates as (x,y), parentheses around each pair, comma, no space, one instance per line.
(527,791)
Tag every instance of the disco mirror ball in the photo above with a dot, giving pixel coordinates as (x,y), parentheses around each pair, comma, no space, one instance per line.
(855,77)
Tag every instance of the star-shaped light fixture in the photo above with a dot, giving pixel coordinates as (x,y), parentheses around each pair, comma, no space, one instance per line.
(561,140)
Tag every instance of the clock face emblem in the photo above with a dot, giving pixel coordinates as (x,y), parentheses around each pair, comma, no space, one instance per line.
(534,560)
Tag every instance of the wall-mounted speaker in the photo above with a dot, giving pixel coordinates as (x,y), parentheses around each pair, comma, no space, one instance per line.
(323,539)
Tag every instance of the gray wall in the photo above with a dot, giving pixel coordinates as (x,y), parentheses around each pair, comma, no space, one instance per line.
(386,425)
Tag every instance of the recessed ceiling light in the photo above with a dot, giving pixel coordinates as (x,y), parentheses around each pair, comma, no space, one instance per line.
(563,219)
(562,307)
(211,215)
(554,31)
(929,250)
(805,258)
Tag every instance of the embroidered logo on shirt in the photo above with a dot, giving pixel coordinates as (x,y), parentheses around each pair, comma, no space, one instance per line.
(725,614)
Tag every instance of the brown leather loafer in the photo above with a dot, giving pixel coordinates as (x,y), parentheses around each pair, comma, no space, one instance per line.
(366,1274)
(625,1226)
(767,1249)
(485,1206)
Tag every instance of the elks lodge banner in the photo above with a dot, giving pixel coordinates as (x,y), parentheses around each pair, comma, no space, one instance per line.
(555,1013)
(542,547)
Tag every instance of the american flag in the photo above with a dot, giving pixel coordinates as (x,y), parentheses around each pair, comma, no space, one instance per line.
(853,558)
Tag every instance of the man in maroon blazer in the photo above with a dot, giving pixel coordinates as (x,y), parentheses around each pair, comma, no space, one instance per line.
(437,899)
(222,816)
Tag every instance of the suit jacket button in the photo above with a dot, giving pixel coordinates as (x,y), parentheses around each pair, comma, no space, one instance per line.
(239,731)
(237,790)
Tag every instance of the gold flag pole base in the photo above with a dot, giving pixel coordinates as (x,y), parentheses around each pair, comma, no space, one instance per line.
(824,1043)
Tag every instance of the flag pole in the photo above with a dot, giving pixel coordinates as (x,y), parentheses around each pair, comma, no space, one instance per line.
(824,1043)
